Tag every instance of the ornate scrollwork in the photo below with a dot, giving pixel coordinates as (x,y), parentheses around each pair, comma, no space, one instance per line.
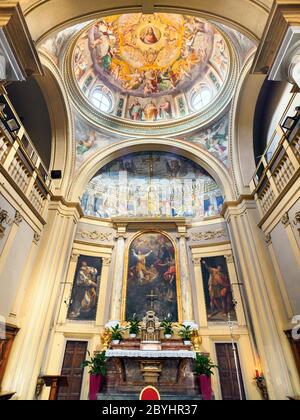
(105,339)
(18,218)
(4,220)
(297,218)
(208,235)
(285,220)
(196,340)
(36,238)
(95,235)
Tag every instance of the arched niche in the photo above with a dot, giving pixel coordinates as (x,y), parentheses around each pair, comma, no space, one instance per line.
(201,157)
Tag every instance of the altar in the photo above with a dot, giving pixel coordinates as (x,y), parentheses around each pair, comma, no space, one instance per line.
(167,364)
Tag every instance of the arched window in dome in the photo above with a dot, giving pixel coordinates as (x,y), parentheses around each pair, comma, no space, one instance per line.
(102,99)
(152,184)
(201,97)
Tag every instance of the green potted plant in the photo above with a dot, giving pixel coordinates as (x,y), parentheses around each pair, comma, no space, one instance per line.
(167,326)
(204,369)
(134,327)
(116,334)
(186,334)
(97,369)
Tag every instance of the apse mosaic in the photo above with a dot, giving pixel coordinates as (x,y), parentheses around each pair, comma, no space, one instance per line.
(145,66)
(151,277)
(152,184)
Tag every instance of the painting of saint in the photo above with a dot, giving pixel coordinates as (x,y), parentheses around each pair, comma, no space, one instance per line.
(135,111)
(150,35)
(217,290)
(151,277)
(85,291)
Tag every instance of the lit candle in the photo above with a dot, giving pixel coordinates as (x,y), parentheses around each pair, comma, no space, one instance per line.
(256,373)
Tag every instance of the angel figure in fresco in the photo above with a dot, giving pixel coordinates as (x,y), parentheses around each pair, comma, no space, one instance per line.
(85,145)
(86,295)
(149,36)
(140,267)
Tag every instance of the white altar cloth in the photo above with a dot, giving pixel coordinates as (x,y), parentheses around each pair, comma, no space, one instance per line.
(153,354)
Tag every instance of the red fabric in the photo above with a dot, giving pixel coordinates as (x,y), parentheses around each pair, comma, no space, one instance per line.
(149,394)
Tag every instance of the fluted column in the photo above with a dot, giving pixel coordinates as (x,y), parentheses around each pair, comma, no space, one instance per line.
(185,279)
(201,305)
(257,272)
(116,300)
(103,292)
(49,272)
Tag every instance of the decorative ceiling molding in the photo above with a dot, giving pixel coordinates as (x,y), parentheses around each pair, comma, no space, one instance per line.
(284,14)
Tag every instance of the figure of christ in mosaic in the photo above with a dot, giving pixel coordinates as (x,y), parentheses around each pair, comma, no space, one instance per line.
(151,277)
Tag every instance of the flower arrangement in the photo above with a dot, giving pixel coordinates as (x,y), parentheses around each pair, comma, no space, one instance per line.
(167,326)
(134,326)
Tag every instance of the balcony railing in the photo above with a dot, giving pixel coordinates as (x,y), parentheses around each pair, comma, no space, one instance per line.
(276,172)
(19,161)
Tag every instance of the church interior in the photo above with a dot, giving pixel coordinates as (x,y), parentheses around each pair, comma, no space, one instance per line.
(150,199)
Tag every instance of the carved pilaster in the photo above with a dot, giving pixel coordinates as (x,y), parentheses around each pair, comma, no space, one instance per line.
(106,261)
(36,238)
(18,218)
(4,220)
(285,220)
(268,239)
(229,259)
(74,257)
(197,262)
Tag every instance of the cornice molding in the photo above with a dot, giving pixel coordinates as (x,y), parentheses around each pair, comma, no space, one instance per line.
(283,14)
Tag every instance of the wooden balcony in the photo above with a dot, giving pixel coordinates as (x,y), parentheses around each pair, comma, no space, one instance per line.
(20,163)
(277,171)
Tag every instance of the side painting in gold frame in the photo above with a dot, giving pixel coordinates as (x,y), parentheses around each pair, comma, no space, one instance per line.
(151,277)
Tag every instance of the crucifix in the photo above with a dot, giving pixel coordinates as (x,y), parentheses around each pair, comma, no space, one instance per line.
(152,297)
(150,161)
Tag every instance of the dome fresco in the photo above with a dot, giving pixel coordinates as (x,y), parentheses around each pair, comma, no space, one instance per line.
(150,67)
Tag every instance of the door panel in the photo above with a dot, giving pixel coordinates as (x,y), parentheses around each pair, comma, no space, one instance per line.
(75,354)
(228,373)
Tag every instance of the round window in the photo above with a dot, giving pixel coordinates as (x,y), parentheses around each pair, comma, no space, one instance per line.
(101,100)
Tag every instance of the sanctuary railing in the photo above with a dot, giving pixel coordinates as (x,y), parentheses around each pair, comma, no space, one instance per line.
(20,163)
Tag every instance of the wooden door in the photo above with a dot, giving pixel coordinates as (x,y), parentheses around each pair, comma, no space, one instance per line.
(228,372)
(5,347)
(75,354)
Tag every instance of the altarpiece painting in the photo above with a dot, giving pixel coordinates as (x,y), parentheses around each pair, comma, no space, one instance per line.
(152,277)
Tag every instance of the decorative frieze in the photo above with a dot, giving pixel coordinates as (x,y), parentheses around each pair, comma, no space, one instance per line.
(209,235)
(96,235)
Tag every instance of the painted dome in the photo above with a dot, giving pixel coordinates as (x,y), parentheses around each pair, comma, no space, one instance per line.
(150,67)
